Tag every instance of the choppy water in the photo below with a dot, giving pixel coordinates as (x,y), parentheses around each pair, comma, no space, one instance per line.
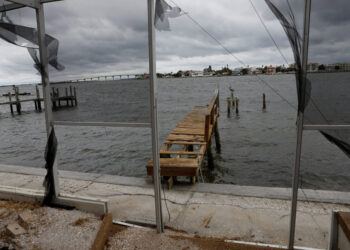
(258,147)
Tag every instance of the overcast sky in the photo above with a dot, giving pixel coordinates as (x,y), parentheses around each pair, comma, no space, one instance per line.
(110,37)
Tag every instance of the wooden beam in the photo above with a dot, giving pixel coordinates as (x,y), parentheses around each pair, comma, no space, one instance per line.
(180,153)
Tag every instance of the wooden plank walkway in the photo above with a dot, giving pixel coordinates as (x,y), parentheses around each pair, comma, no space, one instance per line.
(183,152)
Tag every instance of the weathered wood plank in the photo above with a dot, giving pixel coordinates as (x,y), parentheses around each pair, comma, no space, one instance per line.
(185,142)
(180,153)
(175,137)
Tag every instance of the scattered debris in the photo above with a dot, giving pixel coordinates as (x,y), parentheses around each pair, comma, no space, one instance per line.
(15,230)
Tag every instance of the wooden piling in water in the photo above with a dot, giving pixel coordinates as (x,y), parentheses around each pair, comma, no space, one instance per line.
(228,105)
(264,101)
(217,139)
(38,98)
(10,100)
(237,102)
(18,103)
(232,97)
(71,94)
(58,97)
(75,96)
(67,102)
(210,158)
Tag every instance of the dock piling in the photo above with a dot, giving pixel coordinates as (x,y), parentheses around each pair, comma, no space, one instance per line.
(10,100)
(38,102)
(18,103)
(217,139)
(232,97)
(264,101)
(58,97)
(210,158)
(237,109)
(228,105)
(75,96)
(71,94)
(67,102)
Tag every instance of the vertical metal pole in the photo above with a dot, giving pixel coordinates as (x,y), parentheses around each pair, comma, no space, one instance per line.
(154,117)
(300,123)
(333,232)
(40,19)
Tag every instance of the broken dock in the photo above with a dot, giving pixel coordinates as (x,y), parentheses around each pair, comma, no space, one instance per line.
(69,100)
(183,152)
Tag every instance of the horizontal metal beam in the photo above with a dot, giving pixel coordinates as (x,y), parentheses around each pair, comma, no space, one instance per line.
(14,6)
(103,124)
(11,6)
(326,127)
(27,3)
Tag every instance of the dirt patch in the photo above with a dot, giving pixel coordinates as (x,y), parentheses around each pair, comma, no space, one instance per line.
(49,228)
(146,238)
(80,222)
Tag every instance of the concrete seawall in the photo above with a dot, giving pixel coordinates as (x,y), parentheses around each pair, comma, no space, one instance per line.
(255,214)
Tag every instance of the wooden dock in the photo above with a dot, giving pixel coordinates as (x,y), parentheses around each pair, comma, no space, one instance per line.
(56,99)
(183,152)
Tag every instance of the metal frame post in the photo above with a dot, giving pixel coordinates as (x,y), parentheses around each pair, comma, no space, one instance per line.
(333,232)
(40,18)
(154,117)
(300,124)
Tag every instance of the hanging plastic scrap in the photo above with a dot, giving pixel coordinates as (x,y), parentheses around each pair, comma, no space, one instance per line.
(322,97)
(50,155)
(28,38)
(163,12)
(289,26)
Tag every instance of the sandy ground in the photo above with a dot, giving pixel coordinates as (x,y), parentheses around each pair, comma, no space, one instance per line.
(126,238)
(50,228)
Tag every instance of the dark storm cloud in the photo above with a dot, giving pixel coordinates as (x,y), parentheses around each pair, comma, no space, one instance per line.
(110,37)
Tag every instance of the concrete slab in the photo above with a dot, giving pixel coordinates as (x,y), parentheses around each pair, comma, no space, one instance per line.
(224,189)
(215,210)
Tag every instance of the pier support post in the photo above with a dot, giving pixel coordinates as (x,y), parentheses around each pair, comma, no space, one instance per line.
(232,97)
(228,105)
(217,139)
(75,97)
(264,101)
(10,100)
(71,95)
(58,97)
(210,157)
(237,103)
(67,102)
(18,103)
(38,97)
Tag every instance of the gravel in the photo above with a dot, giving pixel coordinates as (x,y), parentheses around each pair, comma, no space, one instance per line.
(51,228)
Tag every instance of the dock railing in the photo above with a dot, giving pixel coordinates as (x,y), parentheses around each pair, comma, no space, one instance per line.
(211,116)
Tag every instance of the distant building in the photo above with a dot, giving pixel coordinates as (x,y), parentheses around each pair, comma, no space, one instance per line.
(193,73)
(196,73)
(312,67)
(270,70)
(236,71)
(340,66)
(254,71)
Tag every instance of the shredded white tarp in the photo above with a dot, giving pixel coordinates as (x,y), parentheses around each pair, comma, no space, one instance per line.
(163,12)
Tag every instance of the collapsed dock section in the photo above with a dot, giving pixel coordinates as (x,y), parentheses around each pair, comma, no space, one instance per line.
(183,152)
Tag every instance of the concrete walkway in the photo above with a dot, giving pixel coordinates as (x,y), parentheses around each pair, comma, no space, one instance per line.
(253,214)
